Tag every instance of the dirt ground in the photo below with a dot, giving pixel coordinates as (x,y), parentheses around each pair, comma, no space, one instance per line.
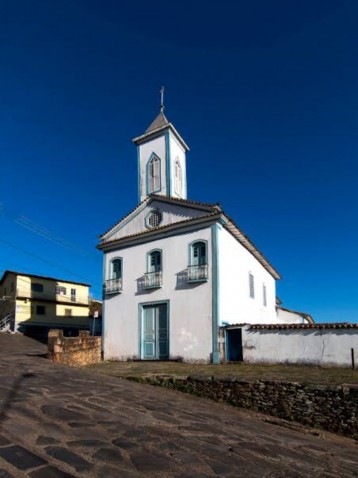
(289,373)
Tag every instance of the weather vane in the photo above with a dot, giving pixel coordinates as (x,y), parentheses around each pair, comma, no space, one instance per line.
(162,99)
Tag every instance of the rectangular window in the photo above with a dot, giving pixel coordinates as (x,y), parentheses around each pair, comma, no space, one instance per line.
(36,287)
(264,295)
(60,290)
(73,295)
(251,285)
(68,312)
(40,310)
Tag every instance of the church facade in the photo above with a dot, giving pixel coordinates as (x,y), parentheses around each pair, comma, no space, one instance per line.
(176,271)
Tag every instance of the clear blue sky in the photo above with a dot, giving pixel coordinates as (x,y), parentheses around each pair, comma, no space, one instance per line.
(264,92)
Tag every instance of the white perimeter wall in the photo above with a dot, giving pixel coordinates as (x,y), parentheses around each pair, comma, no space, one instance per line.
(236,305)
(314,346)
(190,306)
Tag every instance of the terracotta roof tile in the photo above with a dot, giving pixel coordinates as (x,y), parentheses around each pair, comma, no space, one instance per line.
(160,228)
(333,325)
(184,202)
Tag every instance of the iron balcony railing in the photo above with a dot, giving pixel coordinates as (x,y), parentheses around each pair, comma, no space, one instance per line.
(153,279)
(113,286)
(198,273)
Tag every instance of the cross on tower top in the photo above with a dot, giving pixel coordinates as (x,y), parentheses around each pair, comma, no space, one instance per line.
(162,99)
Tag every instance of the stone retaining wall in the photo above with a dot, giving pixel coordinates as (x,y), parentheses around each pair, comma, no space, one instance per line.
(74,351)
(333,408)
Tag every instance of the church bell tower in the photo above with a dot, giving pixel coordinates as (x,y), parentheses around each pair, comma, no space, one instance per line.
(161,159)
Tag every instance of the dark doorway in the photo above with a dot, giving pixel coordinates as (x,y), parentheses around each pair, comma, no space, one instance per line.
(234,345)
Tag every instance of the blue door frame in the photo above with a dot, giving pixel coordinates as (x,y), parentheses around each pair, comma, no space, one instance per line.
(154,331)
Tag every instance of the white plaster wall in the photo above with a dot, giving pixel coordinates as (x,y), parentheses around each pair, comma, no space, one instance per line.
(190,307)
(314,346)
(288,317)
(236,305)
(177,152)
(156,146)
(171,213)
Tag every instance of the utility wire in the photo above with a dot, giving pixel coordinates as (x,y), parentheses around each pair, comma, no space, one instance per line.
(43,232)
(46,261)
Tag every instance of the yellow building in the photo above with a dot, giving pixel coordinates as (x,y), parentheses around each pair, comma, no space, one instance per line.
(28,301)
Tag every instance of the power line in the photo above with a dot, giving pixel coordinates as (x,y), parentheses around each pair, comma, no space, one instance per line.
(43,232)
(46,261)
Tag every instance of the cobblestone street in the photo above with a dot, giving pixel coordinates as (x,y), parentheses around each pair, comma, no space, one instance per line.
(60,422)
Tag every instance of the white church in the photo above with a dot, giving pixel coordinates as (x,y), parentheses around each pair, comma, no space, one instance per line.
(177,272)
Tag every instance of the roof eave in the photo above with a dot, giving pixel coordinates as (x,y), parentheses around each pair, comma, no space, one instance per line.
(231,227)
(146,136)
(210,218)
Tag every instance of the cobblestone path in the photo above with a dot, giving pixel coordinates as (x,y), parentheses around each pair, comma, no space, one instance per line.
(58,422)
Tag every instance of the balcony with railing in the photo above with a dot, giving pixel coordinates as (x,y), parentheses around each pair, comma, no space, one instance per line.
(198,273)
(113,286)
(153,280)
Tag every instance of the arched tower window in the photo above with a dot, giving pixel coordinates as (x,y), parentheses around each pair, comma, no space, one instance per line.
(177,178)
(153,171)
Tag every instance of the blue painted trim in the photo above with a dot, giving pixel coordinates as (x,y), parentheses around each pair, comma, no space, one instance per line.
(140,323)
(168,164)
(139,176)
(215,292)
(152,156)
(103,305)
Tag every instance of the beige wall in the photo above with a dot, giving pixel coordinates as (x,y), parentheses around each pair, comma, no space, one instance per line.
(46,306)
(24,284)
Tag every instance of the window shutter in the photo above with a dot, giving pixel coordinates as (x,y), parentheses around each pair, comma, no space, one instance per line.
(156,174)
(177,183)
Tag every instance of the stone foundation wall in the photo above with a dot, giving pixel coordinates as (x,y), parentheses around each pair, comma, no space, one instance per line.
(74,351)
(332,408)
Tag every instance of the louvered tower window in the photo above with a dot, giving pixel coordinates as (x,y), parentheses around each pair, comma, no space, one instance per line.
(178,178)
(154,175)
(252,285)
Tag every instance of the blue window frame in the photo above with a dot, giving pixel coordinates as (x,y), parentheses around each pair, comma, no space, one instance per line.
(153,276)
(113,284)
(115,270)
(154,261)
(198,262)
